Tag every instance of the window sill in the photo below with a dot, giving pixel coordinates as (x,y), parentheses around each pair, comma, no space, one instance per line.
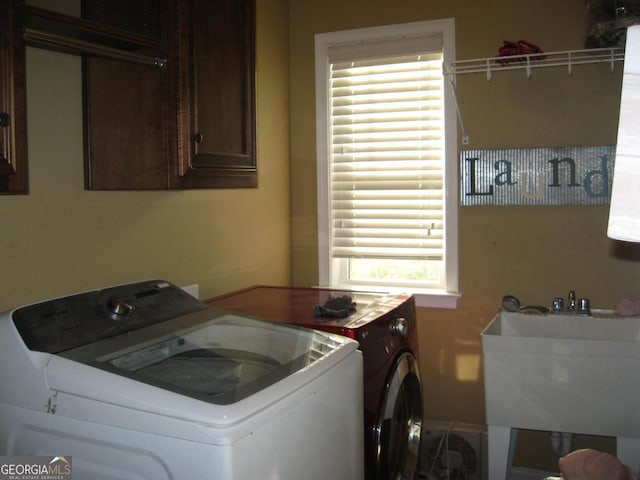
(436,299)
(426,298)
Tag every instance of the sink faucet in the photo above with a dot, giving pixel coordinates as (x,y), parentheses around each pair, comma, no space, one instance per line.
(573,307)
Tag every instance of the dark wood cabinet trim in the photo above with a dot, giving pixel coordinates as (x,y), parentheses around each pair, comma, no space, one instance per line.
(13,100)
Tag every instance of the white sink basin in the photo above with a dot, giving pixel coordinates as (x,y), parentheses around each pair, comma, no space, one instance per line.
(563,373)
(603,325)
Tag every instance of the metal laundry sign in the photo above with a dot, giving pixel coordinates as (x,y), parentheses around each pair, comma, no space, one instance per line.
(537,176)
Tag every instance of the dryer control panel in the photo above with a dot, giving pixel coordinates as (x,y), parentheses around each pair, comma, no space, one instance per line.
(64,323)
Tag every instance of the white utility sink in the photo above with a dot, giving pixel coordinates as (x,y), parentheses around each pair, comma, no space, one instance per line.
(562,373)
(602,325)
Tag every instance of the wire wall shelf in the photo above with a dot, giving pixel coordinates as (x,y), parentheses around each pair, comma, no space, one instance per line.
(531,61)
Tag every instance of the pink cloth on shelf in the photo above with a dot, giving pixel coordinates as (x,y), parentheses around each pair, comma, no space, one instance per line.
(628,307)
(588,464)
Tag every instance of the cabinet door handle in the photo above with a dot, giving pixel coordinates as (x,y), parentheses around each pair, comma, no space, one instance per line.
(4,119)
(198,137)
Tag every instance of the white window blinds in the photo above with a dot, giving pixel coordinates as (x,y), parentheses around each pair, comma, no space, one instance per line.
(387,149)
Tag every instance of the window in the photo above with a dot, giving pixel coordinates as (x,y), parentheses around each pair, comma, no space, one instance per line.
(387,183)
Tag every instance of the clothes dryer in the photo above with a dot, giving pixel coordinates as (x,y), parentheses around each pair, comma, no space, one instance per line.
(385,327)
(143,381)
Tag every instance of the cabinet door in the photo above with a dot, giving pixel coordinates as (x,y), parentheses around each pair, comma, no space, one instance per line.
(125,132)
(13,103)
(218,144)
(126,121)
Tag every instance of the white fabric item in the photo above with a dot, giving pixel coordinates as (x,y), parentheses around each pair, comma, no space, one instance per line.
(624,213)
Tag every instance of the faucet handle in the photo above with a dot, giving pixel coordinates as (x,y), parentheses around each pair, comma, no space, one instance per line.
(584,305)
(558,303)
(572,300)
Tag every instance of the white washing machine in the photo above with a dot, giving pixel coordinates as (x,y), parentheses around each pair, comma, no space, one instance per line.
(144,381)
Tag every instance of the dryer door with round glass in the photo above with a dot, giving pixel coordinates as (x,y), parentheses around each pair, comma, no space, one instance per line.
(399,426)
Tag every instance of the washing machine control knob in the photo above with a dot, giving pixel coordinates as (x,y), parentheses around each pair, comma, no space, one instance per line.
(119,307)
(399,326)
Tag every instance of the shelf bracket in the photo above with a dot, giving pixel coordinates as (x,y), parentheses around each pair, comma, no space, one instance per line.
(465,136)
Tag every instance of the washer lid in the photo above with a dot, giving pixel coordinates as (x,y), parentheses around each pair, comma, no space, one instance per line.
(210,355)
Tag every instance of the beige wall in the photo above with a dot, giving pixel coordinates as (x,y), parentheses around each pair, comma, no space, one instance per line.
(535,253)
(61,239)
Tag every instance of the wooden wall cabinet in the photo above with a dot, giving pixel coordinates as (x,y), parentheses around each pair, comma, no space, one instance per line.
(13,103)
(168,89)
(215,53)
(189,124)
